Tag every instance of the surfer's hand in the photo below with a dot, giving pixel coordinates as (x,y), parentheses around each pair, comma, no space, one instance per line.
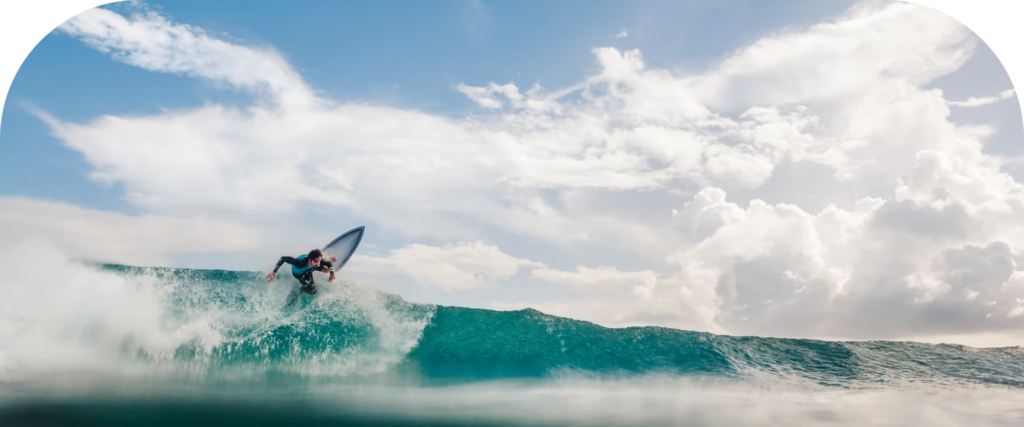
(331,279)
(271,276)
(333,260)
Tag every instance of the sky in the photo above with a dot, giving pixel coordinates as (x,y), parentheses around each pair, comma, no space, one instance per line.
(819,169)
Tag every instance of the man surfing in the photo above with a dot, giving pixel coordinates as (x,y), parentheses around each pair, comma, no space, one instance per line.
(303,267)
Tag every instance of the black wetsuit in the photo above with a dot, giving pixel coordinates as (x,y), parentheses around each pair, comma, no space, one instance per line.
(303,272)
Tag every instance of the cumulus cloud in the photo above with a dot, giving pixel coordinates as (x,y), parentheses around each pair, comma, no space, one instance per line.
(887,268)
(920,233)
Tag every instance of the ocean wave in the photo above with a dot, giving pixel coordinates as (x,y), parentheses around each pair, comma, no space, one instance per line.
(205,324)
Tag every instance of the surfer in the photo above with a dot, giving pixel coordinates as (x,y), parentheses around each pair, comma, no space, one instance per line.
(303,267)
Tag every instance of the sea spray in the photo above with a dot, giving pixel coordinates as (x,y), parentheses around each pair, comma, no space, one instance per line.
(198,324)
(56,314)
(247,331)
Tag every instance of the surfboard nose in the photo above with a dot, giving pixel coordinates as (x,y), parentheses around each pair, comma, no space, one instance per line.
(344,246)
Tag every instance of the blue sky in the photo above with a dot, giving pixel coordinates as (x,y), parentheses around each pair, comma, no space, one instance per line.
(727,166)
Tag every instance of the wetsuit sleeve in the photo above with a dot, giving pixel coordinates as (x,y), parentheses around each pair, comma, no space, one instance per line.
(326,263)
(283,260)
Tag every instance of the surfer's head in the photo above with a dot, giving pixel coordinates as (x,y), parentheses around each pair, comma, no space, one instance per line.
(314,257)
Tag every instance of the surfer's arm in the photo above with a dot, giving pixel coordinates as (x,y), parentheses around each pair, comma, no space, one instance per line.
(283,260)
(280,262)
(327,267)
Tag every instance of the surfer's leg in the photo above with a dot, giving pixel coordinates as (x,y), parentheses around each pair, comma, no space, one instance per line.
(306,279)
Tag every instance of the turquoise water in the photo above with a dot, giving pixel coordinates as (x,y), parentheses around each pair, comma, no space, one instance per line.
(115,345)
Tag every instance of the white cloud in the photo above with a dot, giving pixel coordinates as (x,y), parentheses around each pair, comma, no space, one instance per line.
(977,102)
(533,100)
(481,96)
(150,41)
(1018,310)
(453,267)
(103,236)
(875,43)
(605,142)
(923,237)
(622,298)
(622,34)
(640,283)
(886,269)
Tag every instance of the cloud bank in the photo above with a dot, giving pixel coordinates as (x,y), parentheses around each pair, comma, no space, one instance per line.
(103,236)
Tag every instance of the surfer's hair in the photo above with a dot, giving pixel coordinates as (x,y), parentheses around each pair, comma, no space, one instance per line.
(315,253)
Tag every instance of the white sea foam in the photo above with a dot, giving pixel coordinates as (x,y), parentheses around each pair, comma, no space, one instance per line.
(56,314)
(61,315)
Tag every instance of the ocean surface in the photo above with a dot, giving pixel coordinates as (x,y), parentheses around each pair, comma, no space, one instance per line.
(116,346)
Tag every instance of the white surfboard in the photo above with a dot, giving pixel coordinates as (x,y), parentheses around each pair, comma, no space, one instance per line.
(344,246)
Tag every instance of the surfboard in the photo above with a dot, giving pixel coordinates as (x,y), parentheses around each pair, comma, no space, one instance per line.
(344,246)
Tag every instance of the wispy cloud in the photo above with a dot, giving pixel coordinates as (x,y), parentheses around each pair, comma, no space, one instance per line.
(977,102)
(149,41)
